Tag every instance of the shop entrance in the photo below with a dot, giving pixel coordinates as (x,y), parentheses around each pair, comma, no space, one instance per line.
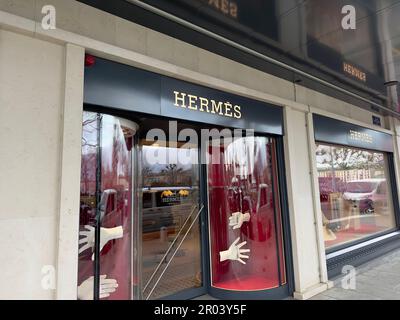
(163,217)
(171,211)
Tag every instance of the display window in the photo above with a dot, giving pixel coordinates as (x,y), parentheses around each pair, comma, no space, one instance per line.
(106,198)
(244,214)
(355,193)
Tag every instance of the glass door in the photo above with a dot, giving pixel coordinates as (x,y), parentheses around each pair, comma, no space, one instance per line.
(170,213)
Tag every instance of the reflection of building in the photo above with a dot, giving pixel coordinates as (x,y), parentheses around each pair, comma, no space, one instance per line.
(350,52)
(310,32)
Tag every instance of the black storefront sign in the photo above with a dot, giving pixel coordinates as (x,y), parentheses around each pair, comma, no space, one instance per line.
(118,86)
(344,133)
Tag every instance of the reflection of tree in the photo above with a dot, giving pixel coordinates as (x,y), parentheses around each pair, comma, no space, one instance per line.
(146,171)
(348,158)
(170,176)
(89,145)
(89,128)
(147,175)
(172,171)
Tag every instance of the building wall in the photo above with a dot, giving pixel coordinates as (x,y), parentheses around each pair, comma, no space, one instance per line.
(84,20)
(31,94)
(42,71)
(298,173)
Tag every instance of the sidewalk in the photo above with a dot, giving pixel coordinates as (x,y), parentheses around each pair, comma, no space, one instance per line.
(378,279)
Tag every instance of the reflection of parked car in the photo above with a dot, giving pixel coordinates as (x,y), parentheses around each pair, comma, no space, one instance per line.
(154,218)
(331,188)
(157,205)
(328,185)
(369,193)
(165,207)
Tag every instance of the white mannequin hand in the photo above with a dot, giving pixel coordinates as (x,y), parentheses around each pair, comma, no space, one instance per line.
(107,286)
(237,218)
(234,252)
(106,234)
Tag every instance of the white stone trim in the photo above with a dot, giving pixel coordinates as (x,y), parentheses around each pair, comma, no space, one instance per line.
(68,233)
(323,272)
(317,289)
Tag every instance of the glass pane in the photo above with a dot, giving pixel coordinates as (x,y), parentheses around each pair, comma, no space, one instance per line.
(354,192)
(116,203)
(242,213)
(88,204)
(170,199)
(106,185)
(277,197)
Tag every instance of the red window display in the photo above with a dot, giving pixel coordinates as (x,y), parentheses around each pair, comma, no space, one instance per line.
(244,215)
(106,190)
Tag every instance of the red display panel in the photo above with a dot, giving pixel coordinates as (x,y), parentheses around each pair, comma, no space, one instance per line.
(245,235)
(106,189)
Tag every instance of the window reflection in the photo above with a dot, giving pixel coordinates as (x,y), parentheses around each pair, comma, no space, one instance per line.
(354,192)
(170,199)
(106,193)
(245,226)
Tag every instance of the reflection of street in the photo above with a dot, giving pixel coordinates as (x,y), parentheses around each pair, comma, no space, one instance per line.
(358,226)
(355,193)
(170,201)
(184,270)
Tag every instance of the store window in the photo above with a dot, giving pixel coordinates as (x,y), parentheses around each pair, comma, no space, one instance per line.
(245,219)
(106,201)
(355,193)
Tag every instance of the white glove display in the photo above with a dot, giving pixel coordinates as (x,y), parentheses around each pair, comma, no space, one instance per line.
(107,286)
(237,218)
(106,234)
(234,252)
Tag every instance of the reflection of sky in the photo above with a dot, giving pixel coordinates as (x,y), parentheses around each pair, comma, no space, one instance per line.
(114,153)
(89,135)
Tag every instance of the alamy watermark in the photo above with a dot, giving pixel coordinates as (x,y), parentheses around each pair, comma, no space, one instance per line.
(49,18)
(349,18)
(237,144)
(349,279)
(48,281)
